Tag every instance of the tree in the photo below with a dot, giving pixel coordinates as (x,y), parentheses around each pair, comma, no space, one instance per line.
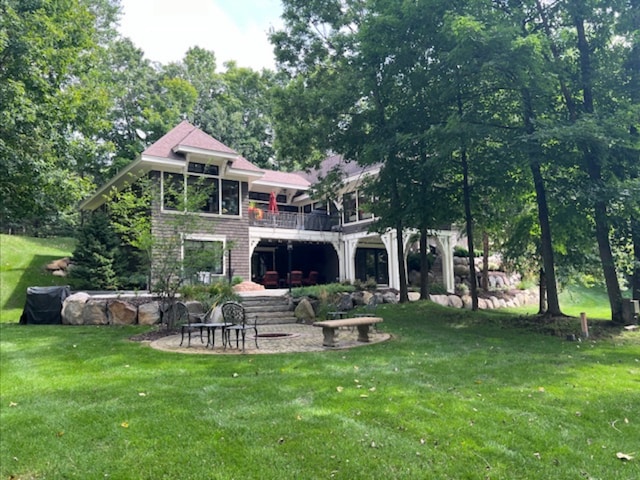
(45,52)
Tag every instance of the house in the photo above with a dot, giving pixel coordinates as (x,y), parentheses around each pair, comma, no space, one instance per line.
(269,217)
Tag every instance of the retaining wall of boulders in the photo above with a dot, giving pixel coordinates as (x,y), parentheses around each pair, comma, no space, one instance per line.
(82,308)
(307,308)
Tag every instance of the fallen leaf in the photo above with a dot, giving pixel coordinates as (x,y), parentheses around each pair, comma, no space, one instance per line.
(624,456)
(13,404)
(339,389)
(59,434)
(373,444)
(537,455)
(422,441)
(234,375)
(541,389)
(372,389)
(364,396)
(142,394)
(124,425)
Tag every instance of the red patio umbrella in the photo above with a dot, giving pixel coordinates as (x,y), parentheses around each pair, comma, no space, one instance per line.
(273,206)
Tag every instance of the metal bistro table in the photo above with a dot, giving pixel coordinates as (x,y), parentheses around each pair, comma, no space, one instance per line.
(211,329)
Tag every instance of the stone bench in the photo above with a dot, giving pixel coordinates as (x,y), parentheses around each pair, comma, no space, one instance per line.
(329,328)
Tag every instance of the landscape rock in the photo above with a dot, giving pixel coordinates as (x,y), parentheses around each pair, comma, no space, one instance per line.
(73,307)
(455,301)
(122,313)
(304,311)
(344,303)
(390,297)
(149,313)
(95,313)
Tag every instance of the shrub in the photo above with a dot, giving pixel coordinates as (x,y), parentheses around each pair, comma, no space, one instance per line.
(209,295)
(459,251)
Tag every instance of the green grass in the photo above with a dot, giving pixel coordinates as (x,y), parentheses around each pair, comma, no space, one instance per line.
(453,395)
(22,262)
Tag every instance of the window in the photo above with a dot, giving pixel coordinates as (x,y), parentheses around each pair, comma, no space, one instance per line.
(206,189)
(354,205)
(172,191)
(203,260)
(214,195)
(350,208)
(230,197)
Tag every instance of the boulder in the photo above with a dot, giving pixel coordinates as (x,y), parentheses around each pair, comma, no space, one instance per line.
(461,270)
(494,302)
(482,304)
(455,301)
(149,313)
(467,301)
(72,308)
(95,313)
(414,296)
(122,313)
(344,303)
(440,299)
(390,297)
(60,264)
(304,311)
(59,273)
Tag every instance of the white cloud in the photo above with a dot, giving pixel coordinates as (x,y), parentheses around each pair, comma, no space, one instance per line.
(165,29)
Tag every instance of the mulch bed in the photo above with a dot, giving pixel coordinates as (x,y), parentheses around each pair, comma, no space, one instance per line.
(152,335)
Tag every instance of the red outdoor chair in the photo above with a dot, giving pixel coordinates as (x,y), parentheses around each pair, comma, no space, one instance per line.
(312,279)
(271,279)
(296,278)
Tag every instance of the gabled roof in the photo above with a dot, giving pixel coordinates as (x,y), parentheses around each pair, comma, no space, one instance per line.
(283,179)
(348,169)
(186,137)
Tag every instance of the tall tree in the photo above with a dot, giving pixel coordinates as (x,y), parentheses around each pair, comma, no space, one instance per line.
(45,51)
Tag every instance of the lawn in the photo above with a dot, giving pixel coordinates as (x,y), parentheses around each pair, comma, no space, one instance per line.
(452,395)
(22,265)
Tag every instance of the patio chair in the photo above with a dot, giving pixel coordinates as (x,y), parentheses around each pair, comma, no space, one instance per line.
(271,279)
(296,278)
(192,322)
(312,279)
(234,313)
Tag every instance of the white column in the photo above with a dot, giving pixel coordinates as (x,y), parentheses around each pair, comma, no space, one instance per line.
(444,238)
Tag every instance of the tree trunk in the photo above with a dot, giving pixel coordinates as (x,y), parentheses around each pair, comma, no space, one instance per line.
(424,265)
(485,261)
(395,201)
(552,306)
(594,170)
(469,219)
(635,237)
(542,305)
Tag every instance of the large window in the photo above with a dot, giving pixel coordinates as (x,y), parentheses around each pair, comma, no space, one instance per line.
(203,260)
(354,205)
(172,191)
(214,195)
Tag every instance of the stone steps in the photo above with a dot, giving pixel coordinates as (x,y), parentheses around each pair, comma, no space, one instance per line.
(268,309)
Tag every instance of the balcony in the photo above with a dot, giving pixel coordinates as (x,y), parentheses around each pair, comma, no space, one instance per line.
(319,222)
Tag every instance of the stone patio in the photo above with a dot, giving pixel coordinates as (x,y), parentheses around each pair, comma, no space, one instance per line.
(299,338)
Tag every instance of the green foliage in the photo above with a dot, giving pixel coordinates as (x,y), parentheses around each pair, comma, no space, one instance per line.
(322,291)
(210,295)
(97,255)
(459,251)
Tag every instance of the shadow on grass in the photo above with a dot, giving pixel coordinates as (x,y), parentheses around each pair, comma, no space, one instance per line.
(33,275)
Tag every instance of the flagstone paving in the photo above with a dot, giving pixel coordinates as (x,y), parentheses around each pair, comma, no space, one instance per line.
(298,338)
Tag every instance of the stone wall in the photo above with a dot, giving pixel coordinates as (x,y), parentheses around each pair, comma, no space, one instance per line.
(84,309)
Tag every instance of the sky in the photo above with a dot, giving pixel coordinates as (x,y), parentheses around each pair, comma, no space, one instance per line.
(232,29)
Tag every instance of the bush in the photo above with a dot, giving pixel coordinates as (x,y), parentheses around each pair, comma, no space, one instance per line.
(459,251)
(210,295)
(321,291)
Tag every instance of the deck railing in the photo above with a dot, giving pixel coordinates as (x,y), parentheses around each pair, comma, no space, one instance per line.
(318,222)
